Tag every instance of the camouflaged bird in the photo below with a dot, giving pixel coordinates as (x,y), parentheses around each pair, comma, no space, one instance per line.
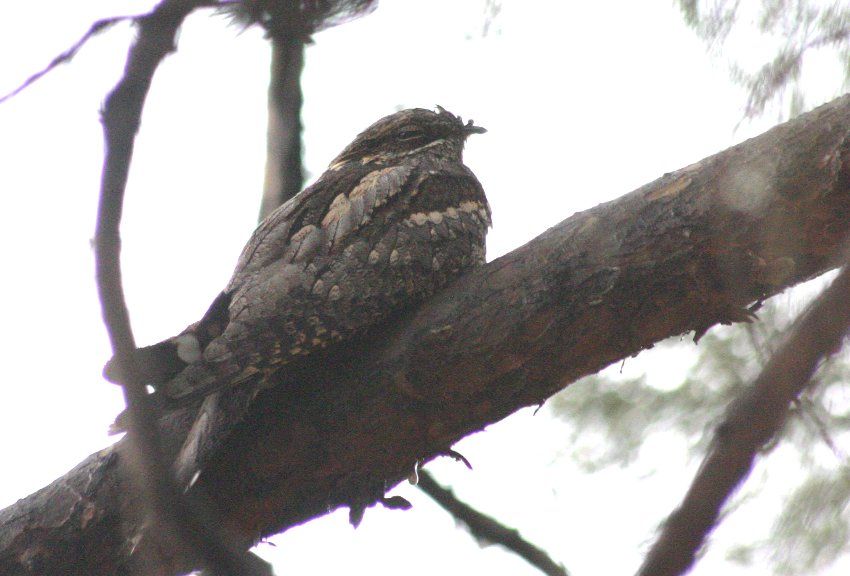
(396,216)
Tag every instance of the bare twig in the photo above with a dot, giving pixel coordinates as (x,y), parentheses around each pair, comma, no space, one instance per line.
(68,55)
(284,173)
(95,29)
(751,422)
(487,529)
(807,409)
(190,532)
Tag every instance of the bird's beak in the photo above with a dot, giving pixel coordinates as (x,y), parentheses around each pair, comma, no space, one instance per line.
(469,128)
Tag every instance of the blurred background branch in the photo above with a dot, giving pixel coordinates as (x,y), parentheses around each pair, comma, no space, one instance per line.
(751,422)
(487,530)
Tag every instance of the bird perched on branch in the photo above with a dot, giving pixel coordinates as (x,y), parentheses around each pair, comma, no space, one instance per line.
(396,216)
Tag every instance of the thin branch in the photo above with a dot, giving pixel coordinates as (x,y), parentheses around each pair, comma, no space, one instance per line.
(68,55)
(751,422)
(808,410)
(284,172)
(95,29)
(189,532)
(486,529)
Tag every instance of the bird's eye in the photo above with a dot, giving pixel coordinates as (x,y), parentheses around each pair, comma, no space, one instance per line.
(409,135)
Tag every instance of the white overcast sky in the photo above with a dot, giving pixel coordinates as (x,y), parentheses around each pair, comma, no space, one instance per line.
(584,101)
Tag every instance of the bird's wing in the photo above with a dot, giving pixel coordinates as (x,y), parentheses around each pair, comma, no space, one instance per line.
(327,283)
(291,293)
(284,299)
(305,230)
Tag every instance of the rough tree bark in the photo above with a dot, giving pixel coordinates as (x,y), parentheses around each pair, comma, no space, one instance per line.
(687,251)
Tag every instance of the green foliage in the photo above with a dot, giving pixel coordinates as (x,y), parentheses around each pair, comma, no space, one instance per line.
(812,530)
(610,417)
(796,32)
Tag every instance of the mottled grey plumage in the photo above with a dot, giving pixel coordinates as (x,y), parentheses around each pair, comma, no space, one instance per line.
(394,218)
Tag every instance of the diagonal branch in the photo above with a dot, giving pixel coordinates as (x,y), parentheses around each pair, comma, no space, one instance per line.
(68,55)
(489,530)
(99,26)
(685,252)
(179,526)
(694,248)
(751,422)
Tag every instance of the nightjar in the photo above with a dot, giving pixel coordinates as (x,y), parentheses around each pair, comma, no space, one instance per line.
(396,216)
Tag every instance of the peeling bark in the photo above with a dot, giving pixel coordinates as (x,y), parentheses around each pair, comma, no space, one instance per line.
(692,249)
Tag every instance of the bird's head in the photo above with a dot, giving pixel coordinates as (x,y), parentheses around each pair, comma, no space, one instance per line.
(408,132)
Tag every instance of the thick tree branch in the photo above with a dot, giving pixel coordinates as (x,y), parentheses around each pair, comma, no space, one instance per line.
(685,252)
(488,530)
(750,423)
